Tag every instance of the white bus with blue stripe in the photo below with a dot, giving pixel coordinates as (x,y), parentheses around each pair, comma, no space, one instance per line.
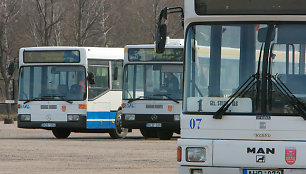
(71,89)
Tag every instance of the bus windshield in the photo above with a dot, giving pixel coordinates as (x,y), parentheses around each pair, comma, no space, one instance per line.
(49,83)
(153,81)
(222,59)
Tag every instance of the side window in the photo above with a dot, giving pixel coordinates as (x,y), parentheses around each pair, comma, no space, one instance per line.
(117,74)
(101,74)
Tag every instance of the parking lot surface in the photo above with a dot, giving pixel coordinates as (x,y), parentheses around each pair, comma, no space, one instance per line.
(37,151)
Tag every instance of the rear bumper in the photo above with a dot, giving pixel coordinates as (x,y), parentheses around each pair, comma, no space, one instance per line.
(73,125)
(141,120)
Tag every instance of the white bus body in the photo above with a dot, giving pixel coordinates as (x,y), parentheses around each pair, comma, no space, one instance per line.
(147,104)
(262,129)
(55,91)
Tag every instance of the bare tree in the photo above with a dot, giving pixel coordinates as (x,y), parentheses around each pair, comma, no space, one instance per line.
(86,16)
(45,17)
(9,9)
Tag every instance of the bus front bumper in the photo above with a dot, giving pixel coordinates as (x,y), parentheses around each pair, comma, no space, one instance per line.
(71,125)
(158,121)
(227,170)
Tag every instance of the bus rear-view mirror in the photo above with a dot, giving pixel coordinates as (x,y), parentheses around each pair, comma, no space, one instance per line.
(11,68)
(160,40)
(262,34)
(91,78)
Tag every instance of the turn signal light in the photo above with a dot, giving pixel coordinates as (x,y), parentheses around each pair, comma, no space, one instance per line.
(18,106)
(82,106)
(179,154)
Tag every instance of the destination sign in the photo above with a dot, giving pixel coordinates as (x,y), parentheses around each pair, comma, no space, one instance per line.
(212,104)
(148,54)
(58,56)
(250,7)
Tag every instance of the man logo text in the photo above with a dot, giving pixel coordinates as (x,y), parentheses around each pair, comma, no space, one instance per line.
(255,150)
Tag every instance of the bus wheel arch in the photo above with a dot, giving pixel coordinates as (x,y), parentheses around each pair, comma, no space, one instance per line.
(61,133)
(118,132)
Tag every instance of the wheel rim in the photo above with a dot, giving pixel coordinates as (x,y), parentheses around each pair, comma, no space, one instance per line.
(119,128)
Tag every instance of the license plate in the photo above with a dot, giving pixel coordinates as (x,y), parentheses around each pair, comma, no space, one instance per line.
(48,125)
(154,125)
(247,171)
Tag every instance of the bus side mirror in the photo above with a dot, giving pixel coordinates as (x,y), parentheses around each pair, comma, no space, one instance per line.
(91,78)
(116,73)
(11,68)
(160,40)
(262,35)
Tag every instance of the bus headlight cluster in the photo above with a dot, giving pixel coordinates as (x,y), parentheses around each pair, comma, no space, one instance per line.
(177,117)
(73,117)
(129,117)
(196,171)
(195,154)
(25,117)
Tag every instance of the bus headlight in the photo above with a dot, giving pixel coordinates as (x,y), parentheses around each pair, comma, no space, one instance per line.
(196,171)
(129,117)
(177,117)
(25,117)
(73,117)
(195,154)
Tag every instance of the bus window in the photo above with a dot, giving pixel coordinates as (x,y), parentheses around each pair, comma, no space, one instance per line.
(101,74)
(117,74)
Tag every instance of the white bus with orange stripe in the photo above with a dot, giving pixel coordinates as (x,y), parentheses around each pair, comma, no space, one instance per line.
(71,89)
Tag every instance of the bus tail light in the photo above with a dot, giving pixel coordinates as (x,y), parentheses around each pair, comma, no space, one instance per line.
(179,154)
(122,105)
(18,106)
(82,106)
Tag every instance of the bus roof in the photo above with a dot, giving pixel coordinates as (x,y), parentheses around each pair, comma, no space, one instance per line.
(170,43)
(92,52)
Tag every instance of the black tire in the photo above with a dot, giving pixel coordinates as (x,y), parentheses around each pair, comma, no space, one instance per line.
(119,132)
(148,133)
(164,135)
(61,133)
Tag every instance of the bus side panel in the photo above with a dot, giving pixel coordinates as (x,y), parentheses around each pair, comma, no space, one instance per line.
(112,116)
(99,120)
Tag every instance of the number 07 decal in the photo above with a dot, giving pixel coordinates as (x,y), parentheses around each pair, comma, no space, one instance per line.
(195,123)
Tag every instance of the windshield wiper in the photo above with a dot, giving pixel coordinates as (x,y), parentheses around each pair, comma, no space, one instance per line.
(167,95)
(246,86)
(292,99)
(139,98)
(61,97)
(34,99)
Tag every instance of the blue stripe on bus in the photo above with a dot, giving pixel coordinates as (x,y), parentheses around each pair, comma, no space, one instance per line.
(101,120)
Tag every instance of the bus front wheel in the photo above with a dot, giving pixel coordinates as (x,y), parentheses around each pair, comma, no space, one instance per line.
(61,133)
(119,131)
